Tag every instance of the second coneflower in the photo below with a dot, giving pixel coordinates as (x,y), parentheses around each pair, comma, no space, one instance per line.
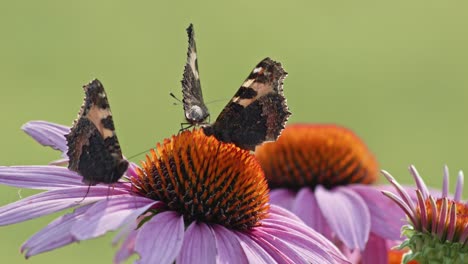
(437,230)
(322,173)
(195,200)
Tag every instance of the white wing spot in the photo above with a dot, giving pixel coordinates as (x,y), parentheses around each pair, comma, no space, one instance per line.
(192,60)
(248,82)
(258,69)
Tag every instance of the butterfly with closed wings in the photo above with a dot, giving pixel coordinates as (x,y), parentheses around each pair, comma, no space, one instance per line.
(93,148)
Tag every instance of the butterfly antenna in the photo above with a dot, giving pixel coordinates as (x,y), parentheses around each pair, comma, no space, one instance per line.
(86,194)
(138,154)
(216,101)
(175,97)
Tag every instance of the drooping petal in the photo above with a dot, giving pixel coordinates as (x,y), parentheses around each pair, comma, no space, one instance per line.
(160,239)
(281,221)
(53,201)
(283,197)
(127,248)
(279,251)
(376,251)
(306,208)
(347,214)
(228,246)
(124,232)
(254,252)
(279,211)
(288,247)
(48,134)
(199,245)
(39,177)
(110,214)
(386,216)
(56,234)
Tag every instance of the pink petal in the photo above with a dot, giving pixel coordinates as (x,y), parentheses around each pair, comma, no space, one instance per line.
(347,214)
(132,170)
(39,177)
(53,201)
(48,134)
(127,249)
(409,213)
(276,210)
(376,251)
(282,197)
(228,246)
(445,182)
(306,240)
(199,245)
(254,252)
(281,222)
(55,235)
(386,216)
(299,248)
(124,232)
(295,249)
(160,239)
(306,207)
(408,200)
(459,187)
(280,252)
(110,214)
(419,181)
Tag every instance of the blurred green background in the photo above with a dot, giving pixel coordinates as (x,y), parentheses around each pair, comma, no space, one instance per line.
(396,72)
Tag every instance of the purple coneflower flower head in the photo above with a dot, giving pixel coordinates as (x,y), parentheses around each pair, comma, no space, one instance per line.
(323,174)
(437,230)
(195,200)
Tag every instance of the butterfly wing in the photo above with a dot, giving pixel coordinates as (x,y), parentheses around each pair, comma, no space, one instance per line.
(195,109)
(258,111)
(93,148)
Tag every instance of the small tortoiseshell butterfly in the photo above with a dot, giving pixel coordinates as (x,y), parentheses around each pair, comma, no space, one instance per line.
(93,148)
(195,109)
(257,113)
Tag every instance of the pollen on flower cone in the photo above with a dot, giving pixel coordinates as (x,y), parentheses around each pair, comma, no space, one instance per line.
(206,180)
(311,155)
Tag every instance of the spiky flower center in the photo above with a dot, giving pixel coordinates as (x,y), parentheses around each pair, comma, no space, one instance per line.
(311,155)
(446,218)
(438,232)
(205,180)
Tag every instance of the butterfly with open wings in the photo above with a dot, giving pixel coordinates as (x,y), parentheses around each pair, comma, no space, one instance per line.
(257,113)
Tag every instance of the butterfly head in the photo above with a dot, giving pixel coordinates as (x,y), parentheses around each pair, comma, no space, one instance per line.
(196,114)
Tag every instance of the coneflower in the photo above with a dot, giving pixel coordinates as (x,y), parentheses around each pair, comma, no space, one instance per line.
(437,229)
(195,200)
(323,174)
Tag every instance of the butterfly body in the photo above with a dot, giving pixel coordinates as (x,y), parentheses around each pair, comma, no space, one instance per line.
(93,148)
